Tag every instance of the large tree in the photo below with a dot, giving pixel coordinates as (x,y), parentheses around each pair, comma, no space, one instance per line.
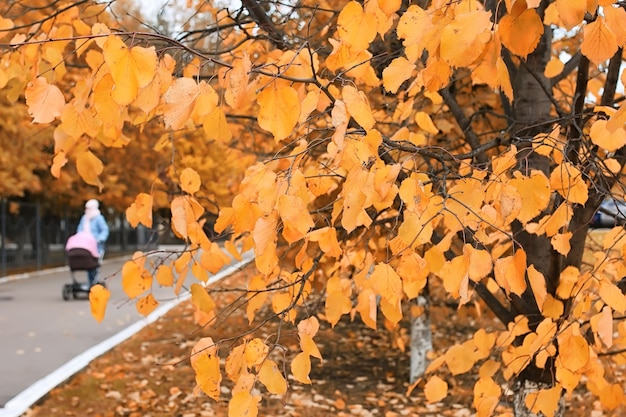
(460,141)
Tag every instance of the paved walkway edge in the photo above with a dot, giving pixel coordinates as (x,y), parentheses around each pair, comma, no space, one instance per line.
(25,399)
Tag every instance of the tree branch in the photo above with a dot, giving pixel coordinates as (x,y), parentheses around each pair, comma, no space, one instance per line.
(264,22)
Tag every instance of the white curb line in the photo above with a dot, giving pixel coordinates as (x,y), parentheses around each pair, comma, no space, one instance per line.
(25,399)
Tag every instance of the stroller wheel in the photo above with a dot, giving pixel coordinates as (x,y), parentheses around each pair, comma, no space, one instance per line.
(67,292)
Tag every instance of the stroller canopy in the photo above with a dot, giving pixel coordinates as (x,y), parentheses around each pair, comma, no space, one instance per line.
(83,240)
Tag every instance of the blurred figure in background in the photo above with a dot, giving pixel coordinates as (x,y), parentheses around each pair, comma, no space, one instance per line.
(93,222)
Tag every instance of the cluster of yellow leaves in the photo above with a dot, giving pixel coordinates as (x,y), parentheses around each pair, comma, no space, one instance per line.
(248,364)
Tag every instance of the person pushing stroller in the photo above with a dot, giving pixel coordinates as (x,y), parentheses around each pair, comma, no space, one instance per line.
(93,222)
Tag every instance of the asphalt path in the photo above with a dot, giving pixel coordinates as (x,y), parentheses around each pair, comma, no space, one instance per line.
(45,339)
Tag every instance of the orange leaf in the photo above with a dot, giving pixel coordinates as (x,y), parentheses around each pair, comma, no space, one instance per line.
(486,396)
(538,285)
(574,351)
(386,282)
(45,101)
(131,68)
(521,29)
(140,211)
(396,73)
(206,364)
(455,277)
(568,181)
(358,107)
(301,367)
(201,299)
(460,358)
(612,296)
(355,27)
(236,80)
(612,396)
(413,270)
(146,305)
(295,216)
(58,162)
(424,121)
(279,111)
(89,167)
(256,352)
(190,181)
(326,237)
(545,401)
(367,307)
(561,243)
(180,99)
(602,135)
(164,276)
(535,193)
(571,12)
(216,127)
(272,378)
(337,304)
(98,299)
(244,404)
(510,272)
(436,389)
(465,38)
(602,325)
(135,280)
(599,42)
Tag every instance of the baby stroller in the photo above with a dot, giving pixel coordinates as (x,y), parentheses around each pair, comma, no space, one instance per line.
(82,254)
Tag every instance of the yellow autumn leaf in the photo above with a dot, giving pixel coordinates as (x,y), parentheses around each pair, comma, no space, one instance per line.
(58,162)
(216,127)
(180,100)
(535,193)
(544,401)
(510,272)
(190,181)
(612,296)
(460,358)
(89,167)
(574,350)
(424,121)
(480,263)
(571,12)
(164,276)
(337,304)
(146,305)
(602,325)
(45,101)
(279,110)
(244,404)
(561,242)
(140,211)
(206,365)
(255,353)
(301,368)
(397,72)
(455,277)
(295,216)
(554,67)
(538,285)
(131,68)
(521,29)
(326,237)
(436,389)
(201,298)
(568,181)
(414,270)
(358,106)
(272,377)
(355,27)
(614,19)
(98,299)
(135,280)
(386,282)
(602,135)
(465,38)
(612,396)
(599,42)
(486,396)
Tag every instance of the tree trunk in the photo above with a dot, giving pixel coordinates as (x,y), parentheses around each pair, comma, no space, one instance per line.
(421,338)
